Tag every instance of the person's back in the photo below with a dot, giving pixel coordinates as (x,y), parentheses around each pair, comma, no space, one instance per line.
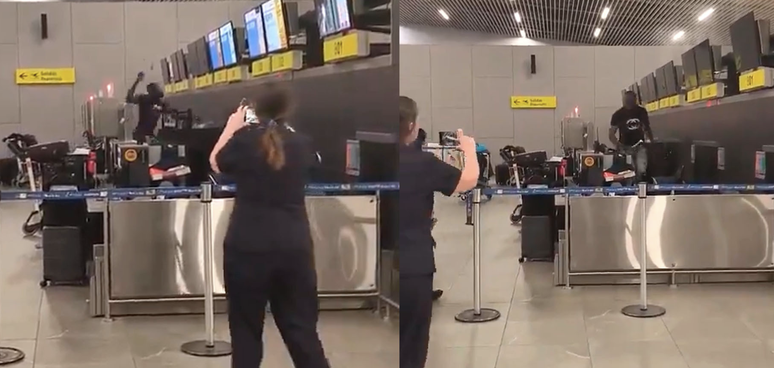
(269,211)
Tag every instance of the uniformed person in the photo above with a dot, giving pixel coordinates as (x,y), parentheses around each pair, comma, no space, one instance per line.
(268,254)
(421,174)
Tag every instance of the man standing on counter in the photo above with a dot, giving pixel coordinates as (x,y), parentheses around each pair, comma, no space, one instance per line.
(149,105)
(633,128)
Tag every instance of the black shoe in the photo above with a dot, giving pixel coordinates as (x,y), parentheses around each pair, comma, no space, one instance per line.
(437,294)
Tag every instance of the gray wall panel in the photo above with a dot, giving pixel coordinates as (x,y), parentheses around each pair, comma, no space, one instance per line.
(9,102)
(98,23)
(193,17)
(144,45)
(8,26)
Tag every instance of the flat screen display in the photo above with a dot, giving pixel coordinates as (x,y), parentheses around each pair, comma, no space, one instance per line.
(193,62)
(746,42)
(334,16)
(660,83)
(171,68)
(691,77)
(182,67)
(255,33)
(672,87)
(705,65)
(652,87)
(274,24)
(227,45)
(164,66)
(216,54)
(204,55)
(645,96)
(175,68)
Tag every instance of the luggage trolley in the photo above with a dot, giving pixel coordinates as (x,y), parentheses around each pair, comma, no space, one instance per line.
(28,176)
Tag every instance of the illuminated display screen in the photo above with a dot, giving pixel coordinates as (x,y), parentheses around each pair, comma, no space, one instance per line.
(256,40)
(216,54)
(227,44)
(333,16)
(274,24)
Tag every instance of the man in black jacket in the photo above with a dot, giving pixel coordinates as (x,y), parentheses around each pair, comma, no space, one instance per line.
(149,105)
(633,127)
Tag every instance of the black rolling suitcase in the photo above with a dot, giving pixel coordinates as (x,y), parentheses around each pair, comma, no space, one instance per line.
(63,260)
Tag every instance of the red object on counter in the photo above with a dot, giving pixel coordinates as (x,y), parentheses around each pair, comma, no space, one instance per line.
(91,163)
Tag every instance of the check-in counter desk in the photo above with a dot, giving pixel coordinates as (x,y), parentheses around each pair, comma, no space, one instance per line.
(690,238)
(155,263)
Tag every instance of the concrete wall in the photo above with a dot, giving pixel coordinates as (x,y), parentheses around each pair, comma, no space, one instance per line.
(105,42)
(467,84)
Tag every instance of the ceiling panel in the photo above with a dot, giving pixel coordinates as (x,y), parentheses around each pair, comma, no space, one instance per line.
(629,22)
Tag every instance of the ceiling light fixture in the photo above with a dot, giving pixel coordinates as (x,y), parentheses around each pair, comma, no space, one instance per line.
(523,33)
(444,14)
(517,16)
(597,32)
(706,14)
(678,35)
(605,12)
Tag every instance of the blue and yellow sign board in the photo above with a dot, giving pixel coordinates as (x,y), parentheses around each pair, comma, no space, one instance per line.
(27,76)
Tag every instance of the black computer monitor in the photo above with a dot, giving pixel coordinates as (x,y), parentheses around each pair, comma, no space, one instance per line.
(255,33)
(228,45)
(215,51)
(164,66)
(691,76)
(746,41)
(204,55)
(705,64)
(192,59)
(175,67)
(334,16)
(644,91)
(183,65)
(670,75)
(661,91)
(275,24)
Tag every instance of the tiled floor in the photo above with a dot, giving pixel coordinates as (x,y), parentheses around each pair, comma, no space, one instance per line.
(708,326)
(53,328)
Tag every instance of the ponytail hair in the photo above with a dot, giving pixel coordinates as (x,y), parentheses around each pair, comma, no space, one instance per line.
(271,107)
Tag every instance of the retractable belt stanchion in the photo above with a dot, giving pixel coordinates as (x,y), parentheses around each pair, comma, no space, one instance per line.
(643,310)
(208,347)
(477,314)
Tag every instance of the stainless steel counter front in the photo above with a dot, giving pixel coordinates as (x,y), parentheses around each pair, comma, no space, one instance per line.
(692,232)
(155,247)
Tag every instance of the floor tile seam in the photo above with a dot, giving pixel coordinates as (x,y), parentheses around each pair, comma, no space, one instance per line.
(37,330)
(586,332)
(507,315)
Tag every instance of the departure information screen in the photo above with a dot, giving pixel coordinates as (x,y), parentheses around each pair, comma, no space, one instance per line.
(334,16)
(256,40)
(227,44)
(216,54)
(274,23)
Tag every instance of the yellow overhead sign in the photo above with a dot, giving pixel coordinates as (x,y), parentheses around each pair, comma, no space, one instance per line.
(752,80)
(533,102)
(45,76)
(340,48)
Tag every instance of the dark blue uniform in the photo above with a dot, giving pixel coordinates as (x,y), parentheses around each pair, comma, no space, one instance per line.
(268,252)
(421,174)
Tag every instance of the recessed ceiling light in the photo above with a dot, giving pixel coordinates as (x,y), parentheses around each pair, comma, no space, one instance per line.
(523,33)
(444,14)
(706,14)
(605,12)
(517,16)
(678,35)
(597,32)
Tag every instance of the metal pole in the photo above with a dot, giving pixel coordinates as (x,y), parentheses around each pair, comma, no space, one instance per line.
(643,310)
(209,347)
(477,314)
(566,245)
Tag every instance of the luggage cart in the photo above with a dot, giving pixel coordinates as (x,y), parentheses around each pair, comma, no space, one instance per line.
(28,176)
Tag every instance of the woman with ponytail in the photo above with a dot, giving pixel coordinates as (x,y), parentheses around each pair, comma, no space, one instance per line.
(268,254)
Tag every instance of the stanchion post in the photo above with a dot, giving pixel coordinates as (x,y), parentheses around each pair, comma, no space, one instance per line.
(209,347)
(477,314)
(643,309)
(566,245)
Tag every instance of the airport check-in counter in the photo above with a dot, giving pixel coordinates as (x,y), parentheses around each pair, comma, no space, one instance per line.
(152,259)
(690,239)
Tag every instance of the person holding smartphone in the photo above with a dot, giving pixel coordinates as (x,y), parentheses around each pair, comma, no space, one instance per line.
(421,175)
(268,250)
